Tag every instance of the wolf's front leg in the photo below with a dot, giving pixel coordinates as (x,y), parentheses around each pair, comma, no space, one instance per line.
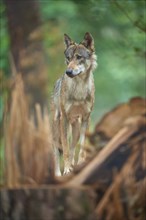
(75,138)
(57,162)
(82,154)
(64,127)
(56,142)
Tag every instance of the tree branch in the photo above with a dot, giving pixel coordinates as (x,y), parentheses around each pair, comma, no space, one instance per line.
(135,23)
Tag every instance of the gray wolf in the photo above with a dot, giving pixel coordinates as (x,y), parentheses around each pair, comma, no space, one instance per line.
(73,100)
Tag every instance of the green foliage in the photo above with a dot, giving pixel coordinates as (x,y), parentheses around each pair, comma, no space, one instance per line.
(4,73)
(58,10)
(118,29)
(4,41)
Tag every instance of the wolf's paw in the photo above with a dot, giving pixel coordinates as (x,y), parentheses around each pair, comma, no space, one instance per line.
(67,170)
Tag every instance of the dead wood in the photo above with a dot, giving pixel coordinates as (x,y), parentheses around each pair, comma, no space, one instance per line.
(110,186)
(28,142)
(47,203)
(118,174)
(117,147)
(113,121)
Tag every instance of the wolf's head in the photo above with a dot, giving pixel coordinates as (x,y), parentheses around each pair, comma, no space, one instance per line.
(80,58)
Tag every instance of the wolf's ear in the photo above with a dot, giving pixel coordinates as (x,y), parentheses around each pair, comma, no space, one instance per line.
(67,40)
(88,41)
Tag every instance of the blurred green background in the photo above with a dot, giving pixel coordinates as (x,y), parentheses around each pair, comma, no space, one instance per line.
(118,28)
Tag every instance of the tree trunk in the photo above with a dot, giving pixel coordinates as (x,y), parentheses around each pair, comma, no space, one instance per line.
(26,48)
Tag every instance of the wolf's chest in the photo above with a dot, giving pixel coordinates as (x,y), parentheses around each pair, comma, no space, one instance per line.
(79,94)
(79,99)
(79,90)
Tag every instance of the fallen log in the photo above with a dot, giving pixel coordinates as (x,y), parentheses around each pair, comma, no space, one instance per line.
(118,174)
(113,121)
(114,154)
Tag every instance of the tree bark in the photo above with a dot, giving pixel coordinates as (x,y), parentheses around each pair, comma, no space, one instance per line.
(26,48)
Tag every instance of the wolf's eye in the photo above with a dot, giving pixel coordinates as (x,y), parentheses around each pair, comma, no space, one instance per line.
(68,58)
(79,57)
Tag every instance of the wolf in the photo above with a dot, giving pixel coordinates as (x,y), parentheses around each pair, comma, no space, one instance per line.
(73,100)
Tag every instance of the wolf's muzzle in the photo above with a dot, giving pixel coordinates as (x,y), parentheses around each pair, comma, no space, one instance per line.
(69,72)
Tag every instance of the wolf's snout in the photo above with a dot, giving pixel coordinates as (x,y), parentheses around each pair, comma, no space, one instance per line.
(69,72)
